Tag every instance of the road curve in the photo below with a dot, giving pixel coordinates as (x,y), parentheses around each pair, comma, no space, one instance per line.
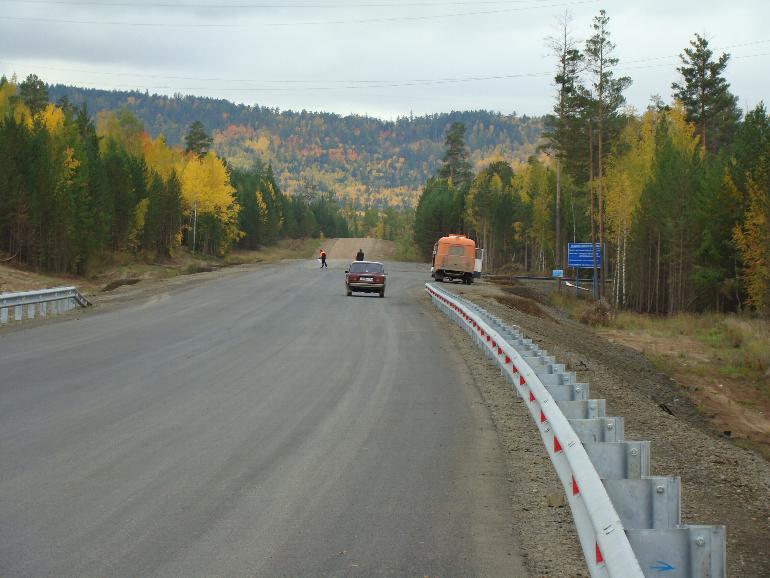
(259,424)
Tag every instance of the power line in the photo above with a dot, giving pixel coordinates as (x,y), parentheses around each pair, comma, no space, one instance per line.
(414,81)
(347,85)
(413,18)
(270,5)
(381,82)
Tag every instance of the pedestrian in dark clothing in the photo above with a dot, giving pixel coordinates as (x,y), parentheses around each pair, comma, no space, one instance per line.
(323,260)
(360,255)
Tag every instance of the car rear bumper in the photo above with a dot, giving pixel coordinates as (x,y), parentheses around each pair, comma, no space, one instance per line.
(358,286)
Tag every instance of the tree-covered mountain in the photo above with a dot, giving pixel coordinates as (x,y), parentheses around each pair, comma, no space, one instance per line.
(361,159)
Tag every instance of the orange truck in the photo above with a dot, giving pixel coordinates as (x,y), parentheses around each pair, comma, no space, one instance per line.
(456,257)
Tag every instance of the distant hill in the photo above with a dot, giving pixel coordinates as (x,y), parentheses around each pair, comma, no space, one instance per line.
(363,159)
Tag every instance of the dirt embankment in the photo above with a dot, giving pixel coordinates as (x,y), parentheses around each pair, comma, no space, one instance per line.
(127,270)
(346,249)
(721,483)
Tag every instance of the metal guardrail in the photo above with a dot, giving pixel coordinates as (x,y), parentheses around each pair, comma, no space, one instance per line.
(39,303)
(628,522)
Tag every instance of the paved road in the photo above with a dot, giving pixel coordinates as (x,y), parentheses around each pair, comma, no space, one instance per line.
(257,424)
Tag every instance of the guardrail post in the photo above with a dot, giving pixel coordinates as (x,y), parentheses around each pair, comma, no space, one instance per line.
(685,552)
(613,461)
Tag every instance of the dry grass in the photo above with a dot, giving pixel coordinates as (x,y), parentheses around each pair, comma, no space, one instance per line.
(741,345)
(570,304)
(721,362)
(598,314)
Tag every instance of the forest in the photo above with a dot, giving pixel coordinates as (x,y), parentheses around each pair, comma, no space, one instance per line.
(676,198)
(361,160)
(74,191)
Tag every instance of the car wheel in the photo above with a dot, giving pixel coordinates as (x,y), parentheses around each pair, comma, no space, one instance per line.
(382,293)
(349,292)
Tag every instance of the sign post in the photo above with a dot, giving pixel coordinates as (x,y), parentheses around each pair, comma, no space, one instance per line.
(558,274)
(581,256)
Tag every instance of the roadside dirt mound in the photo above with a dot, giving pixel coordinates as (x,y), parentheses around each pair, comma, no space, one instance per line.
(13,279)
(346,249)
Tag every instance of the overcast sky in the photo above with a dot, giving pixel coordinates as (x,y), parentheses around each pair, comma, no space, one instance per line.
(383,58)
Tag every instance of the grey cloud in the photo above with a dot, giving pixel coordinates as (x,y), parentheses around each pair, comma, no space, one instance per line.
(500,44)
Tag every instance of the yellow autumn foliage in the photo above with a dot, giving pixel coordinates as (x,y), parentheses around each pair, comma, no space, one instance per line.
(627,174)
(752,238)
(52,118)
(206,185)
(160,157)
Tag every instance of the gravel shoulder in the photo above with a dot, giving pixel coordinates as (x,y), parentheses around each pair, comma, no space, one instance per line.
(541,515)
(721,483)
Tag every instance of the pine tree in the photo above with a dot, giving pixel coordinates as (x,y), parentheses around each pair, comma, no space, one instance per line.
(608,98)
(456,167)
(563,126)
(34,93)
(197,140)
(705,94)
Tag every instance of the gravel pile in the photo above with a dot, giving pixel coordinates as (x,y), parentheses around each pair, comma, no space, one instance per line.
(721,483)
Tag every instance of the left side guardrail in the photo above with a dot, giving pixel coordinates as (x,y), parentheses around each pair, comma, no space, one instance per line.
(31,304)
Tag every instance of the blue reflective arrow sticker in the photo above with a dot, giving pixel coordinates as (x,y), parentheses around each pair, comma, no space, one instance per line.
(662,566)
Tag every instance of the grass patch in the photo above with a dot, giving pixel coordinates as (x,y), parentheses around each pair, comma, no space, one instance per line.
(748,444)
(739,347)
(570,304)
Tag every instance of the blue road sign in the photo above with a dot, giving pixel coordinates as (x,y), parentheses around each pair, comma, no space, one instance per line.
(579,255)
(557,273)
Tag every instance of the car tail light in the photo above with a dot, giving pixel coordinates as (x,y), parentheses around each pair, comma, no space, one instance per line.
(352,277)
(379,279)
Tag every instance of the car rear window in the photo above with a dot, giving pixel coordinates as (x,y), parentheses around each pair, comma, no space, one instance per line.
(457,250)
(363,267)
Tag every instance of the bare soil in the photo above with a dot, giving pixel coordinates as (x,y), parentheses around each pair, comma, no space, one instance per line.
(734,407)
(346,249)
(721,483)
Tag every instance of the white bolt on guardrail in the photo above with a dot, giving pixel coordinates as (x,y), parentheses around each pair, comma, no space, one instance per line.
(42,303)
(648,507)
(606,547)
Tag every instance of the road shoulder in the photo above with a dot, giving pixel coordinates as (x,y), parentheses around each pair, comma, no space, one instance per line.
(541,525)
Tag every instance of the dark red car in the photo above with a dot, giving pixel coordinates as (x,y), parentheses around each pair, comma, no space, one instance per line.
(365,276)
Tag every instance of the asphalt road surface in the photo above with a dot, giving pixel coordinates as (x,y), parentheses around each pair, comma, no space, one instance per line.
(258,424)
